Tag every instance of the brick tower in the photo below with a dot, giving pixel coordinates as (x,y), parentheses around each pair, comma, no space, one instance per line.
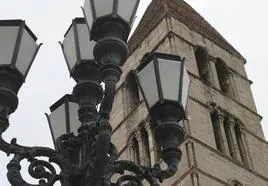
(225,144)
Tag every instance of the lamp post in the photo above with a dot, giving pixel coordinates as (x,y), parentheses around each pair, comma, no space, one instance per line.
(94,47)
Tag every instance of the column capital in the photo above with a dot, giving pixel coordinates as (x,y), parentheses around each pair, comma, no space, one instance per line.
(138,135)
(242,128)
(195,172)
(221,115)
(212,107)
(231,121)
(147,127)
(215,109)
(131,143)
(124,84)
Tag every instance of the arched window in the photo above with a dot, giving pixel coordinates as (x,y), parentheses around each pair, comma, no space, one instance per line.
(224,77)
(139,147)
(132,90)
(228,134)
(201,57)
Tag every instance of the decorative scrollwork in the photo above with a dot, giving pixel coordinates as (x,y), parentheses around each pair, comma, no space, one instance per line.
(38,169)
(73,174)
(151,175)
(131,181)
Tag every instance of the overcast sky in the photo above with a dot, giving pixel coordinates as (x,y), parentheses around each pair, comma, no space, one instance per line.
(242,22)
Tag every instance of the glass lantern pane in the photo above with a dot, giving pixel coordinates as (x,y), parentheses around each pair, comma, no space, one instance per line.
(88,13)
(185,88)
(69,48)
(126,9)
(8,38)
(170,78)
(74,120)
(58,122)
(103,7)
(26,53)
(148,84)
(85,45)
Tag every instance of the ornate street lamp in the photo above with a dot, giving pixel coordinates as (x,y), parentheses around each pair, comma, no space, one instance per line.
(78,52)
(18,49)
(64,123)
(166,99)
(93,49)
(63,118)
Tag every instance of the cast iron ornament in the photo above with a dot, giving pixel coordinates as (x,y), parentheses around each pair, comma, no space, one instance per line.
(92,146)
(70,174)
(89,158)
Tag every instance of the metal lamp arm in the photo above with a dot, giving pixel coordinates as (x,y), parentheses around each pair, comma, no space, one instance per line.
(9,148)
(151,174)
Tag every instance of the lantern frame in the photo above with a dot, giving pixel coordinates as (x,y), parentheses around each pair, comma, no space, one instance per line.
(153,58)
(65,100)
(82,68)
(115,20)
(12,65)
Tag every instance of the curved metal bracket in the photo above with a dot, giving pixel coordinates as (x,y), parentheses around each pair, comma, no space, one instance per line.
(38,169)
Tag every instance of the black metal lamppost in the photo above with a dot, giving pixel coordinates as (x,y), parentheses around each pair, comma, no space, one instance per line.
(94,49)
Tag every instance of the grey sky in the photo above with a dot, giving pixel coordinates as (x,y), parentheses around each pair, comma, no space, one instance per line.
(242,22)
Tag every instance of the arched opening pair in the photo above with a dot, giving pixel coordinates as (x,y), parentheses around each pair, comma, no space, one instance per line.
(222,70)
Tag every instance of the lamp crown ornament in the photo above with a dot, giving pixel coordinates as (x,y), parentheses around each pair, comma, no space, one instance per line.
(94,48)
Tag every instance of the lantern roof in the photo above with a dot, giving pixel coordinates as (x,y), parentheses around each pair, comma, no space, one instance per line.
(66,98)
(77,20)
(17,22)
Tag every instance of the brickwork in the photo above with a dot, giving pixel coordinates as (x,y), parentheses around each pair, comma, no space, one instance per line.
(202,164)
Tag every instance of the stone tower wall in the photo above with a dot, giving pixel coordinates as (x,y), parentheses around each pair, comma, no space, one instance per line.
(202,164)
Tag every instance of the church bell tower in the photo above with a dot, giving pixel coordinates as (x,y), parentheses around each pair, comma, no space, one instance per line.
(224,142)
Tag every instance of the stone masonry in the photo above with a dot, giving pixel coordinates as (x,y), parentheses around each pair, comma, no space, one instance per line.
(227,150)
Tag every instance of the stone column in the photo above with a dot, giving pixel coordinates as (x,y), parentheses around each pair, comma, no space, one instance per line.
(214,73)
(236,153)
(131,152)
(151,144)
(244,152)
(223,139)
(190,154)
(138,135)
(233,87)
(195,178)
(125,100)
